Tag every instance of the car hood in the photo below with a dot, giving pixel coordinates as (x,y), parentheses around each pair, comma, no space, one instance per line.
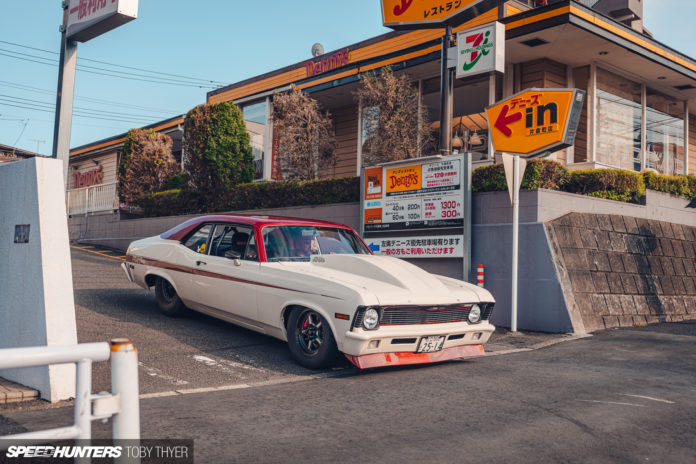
(391,280)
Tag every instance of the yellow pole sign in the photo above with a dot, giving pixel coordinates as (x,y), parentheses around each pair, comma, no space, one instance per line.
(536,121)
(424,14)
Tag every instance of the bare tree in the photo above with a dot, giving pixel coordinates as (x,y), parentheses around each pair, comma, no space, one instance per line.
(395,125)
(146,163)
(305,135)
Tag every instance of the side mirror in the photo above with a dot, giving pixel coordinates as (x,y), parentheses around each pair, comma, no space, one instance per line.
(233,255)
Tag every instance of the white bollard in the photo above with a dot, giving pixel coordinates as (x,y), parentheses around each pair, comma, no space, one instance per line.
(124,382)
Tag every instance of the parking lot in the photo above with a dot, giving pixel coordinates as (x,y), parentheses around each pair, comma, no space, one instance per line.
(623,395)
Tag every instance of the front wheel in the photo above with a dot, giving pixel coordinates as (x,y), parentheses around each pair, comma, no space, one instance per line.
(310,339)
(168,301)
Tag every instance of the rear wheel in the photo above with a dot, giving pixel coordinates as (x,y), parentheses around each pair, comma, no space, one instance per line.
(311,342)
(168,301)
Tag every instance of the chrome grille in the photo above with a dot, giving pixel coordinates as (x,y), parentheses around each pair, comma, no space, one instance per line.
(405,315)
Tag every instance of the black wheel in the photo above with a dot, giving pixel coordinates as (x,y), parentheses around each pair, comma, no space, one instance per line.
(168,301)
(310,339)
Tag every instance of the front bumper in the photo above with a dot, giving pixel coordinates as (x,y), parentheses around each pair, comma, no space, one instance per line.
(368,361)
(405,339)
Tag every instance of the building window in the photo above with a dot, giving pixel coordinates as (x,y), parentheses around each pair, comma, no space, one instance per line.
(255,120)
(619,121)
(664,134)
(469,121)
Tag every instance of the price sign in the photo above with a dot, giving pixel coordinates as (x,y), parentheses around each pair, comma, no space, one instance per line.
(425,195)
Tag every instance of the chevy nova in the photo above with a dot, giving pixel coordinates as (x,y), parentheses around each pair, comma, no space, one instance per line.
(314,284)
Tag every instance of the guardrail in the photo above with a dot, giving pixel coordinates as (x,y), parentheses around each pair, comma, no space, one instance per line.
(122,403)
(102,197)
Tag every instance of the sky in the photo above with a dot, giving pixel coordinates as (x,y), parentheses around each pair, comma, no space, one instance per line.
(162,64)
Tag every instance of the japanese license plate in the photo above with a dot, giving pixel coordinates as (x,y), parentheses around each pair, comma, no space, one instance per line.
(431,344)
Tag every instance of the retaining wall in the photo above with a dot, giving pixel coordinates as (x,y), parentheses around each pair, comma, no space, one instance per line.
(624,271)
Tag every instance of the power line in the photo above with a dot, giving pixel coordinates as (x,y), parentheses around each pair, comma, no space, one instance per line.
(208,81)
(87,99)
(107,72)
(79,108)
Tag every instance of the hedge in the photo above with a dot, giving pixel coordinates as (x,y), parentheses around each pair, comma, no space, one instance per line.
(681,186)
(256,195)
(612,184)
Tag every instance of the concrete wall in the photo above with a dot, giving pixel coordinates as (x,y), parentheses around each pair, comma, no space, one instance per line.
(546,205)
(540,301)
(111,231)
(36,297)
(622,271)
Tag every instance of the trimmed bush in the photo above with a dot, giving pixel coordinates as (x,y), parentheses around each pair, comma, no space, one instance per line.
(681,186)
(539,173)
(612,184)
(258,195)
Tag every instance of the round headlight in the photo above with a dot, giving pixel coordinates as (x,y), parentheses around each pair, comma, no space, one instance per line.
(475,314)
(371,319)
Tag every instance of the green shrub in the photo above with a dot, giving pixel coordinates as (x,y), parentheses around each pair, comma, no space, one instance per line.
(612,184)
(175,182)
(682,186)
(539,173)
(256,195)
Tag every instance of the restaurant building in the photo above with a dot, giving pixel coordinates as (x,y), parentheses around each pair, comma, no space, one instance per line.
(640,111)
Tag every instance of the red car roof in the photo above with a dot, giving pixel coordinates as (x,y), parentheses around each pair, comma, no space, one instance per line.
(180,231)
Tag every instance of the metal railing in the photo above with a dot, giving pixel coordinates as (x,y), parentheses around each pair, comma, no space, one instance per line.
(122,403)
(102,197)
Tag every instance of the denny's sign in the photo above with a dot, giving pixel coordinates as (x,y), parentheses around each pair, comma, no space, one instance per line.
(424,14)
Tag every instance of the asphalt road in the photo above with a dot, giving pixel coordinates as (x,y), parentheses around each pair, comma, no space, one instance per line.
(624,395)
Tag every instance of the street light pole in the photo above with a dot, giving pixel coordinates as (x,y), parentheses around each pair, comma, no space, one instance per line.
(65,94)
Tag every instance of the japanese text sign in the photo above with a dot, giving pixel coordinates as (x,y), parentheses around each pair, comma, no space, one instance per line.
(88,19)
(536,121)
(434,246)
(423,14)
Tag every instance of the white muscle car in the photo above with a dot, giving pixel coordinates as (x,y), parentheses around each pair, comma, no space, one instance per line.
(314,284)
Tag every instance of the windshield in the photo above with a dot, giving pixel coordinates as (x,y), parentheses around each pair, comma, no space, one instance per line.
(299,243)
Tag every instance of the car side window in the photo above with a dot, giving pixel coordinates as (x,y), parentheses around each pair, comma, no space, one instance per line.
(252,253)
(231,237)
(198,241)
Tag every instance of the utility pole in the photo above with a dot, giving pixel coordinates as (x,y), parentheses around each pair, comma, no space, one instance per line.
(446,94)
(64,98)
(38,142)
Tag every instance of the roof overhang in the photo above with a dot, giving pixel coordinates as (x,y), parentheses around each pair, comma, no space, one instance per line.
(578,36)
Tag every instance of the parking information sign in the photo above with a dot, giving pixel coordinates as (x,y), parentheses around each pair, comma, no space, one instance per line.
(432,246)
(414,196)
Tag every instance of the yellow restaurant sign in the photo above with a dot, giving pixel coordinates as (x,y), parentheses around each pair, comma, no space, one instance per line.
(424,14)
(536,121)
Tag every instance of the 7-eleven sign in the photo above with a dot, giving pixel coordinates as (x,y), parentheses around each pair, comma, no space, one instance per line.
(481,50)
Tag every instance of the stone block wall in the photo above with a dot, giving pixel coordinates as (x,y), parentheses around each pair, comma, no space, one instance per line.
(619,271)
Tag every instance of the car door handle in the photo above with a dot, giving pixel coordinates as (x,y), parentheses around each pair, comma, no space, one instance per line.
(198,263)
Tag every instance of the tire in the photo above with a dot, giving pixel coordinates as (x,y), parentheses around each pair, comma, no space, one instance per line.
(310,339)
(168,301)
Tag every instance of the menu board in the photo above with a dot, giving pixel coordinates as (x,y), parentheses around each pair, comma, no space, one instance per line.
(416,196)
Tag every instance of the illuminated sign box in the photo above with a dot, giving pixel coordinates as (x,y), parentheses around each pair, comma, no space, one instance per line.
(481,50)
(88,19)
(434,14)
